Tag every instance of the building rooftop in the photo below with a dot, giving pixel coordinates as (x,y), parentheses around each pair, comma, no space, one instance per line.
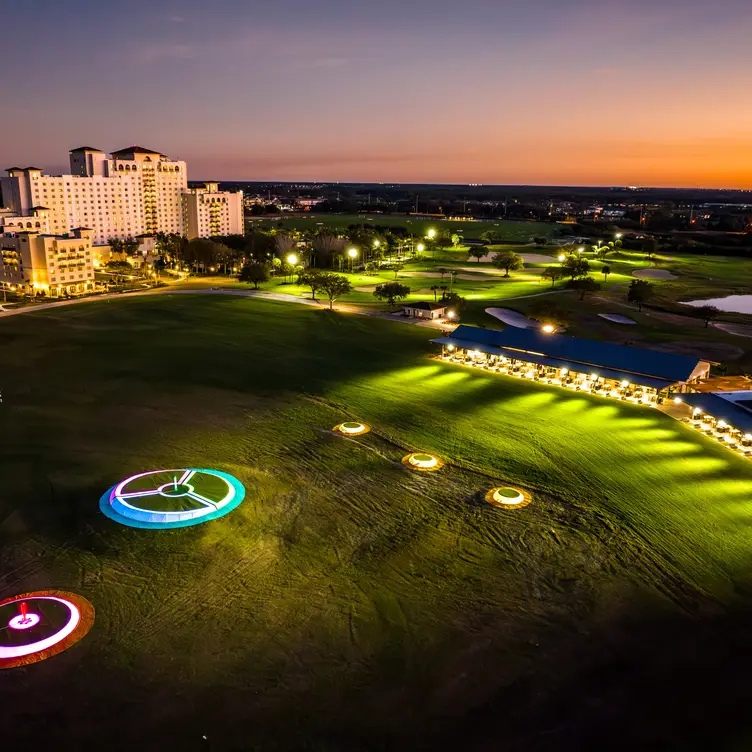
(135,150)
(576,351)
(87,148)
(426,306)
(46,208)
(734,413)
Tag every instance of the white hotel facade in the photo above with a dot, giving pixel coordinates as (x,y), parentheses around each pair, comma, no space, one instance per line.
(134,192)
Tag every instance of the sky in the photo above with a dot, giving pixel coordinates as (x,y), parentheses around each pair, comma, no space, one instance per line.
(551,92)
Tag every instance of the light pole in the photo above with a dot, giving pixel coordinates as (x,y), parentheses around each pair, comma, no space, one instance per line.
(452,275)
(292,259)
(352,253)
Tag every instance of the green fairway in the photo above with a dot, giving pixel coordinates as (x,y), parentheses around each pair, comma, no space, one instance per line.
(348,603)
(512,231)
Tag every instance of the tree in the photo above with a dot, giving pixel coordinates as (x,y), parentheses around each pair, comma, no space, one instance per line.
(575,266)
(442,270)
(334,285)
(284,244)
(707,313)
(507,260)
(554,273)
(255,273)
(605,271)
(435,291)
(650,246)
(259,246)
(130,246)
(639,292)
(391,292)
(457,302)
(584,285)
(456,239)
(490,236)
(310,278)
(477,252)
(117,253)
(326,245)
(539,241)
(119,269)
(548,312)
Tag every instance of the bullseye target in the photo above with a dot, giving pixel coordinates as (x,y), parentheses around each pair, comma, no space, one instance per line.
(163,499)
(36,626)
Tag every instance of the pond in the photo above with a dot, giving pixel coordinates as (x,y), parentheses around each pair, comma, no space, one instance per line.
(730,304)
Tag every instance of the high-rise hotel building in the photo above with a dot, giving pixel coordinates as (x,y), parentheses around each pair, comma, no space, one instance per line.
(134,192)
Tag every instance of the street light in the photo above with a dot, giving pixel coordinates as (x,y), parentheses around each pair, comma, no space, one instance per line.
(292,260)
(420,247)
(562,258)
(581,249)
(352,253)
(451,314)
(431,234)
(549,328)
(376,243)
(618,235)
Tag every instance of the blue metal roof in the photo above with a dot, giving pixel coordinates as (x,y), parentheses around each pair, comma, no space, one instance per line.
(543,360)
(585,352)
(721,409)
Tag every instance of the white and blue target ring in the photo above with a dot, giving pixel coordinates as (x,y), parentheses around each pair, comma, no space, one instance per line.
(163,499)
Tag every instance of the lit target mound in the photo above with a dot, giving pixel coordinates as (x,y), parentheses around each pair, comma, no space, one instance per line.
(36,626)
(352,428)
(507,496)
(423,462)
(172,498)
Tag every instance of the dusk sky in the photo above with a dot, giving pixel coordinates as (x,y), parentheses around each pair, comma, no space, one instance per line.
(645,92)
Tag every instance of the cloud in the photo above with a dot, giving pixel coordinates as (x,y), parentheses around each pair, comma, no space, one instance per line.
(176,19)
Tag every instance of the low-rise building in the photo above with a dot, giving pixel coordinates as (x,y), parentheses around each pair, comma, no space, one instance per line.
(629,373)
(425,310)
(48,264)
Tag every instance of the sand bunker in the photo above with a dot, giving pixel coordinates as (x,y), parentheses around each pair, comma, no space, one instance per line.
(538,258)
(513,318)
(617,318)
(653,274)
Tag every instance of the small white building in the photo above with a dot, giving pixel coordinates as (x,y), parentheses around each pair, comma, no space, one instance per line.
(425,310)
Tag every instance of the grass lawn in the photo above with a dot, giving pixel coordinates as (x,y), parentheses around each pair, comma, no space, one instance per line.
(349,604)
(511,230)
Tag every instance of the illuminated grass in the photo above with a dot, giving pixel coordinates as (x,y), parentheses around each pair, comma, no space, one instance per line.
(345,590)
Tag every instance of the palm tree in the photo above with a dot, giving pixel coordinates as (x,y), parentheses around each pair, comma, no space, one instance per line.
(435,291)
(442,270)
(605,271)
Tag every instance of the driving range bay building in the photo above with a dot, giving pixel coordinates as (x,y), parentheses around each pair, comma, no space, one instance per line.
(628,373)
(133,192)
